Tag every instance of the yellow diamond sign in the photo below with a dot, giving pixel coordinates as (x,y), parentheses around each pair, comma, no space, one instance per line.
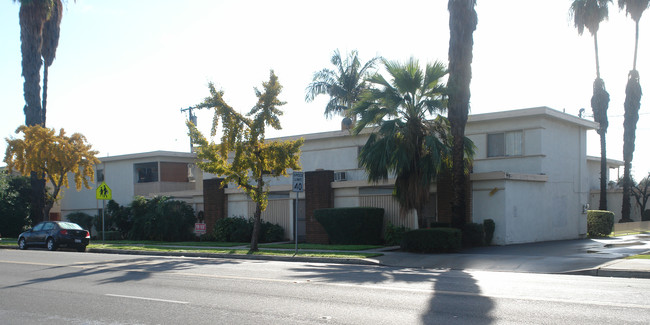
(103,192)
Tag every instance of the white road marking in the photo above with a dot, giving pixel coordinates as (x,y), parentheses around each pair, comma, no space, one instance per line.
(150,299)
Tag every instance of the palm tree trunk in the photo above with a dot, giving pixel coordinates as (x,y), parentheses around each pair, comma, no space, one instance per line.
(602,204)
(632,106)
(636,45)
(596,52)
(462,23)
(32,16)
(44,107)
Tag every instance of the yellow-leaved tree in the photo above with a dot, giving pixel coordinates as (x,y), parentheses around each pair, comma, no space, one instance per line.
(244,157)
(52,155)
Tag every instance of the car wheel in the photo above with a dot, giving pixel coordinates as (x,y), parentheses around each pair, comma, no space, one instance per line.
(21,243)
(81,248)
(51,246)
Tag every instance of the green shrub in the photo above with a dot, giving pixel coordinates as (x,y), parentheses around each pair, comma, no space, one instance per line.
(82,219)
(271,233)
(433,240)
(488,227)
(109,235)
(440,225)
(393,235)
(239,229)
(646,215)
(599,223)
(15,200)
(352,226)
(473,235)
(162,219)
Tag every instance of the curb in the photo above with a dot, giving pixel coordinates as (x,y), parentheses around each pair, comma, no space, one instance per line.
(333,260)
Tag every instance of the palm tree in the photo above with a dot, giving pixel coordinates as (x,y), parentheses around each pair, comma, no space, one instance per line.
(635,9)
(589,14)
(51,31)
(462,24)
(344,85)
(406,143)
(32,17)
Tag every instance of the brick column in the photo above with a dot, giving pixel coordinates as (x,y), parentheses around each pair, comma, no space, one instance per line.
(214,202)
(318,195)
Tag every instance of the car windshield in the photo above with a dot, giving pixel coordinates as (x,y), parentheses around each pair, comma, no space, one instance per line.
(69,225)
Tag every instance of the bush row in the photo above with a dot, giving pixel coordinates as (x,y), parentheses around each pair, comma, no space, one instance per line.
(352,226)
(239,229)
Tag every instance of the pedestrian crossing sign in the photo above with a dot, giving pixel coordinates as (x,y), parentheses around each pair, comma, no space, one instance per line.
(103,192)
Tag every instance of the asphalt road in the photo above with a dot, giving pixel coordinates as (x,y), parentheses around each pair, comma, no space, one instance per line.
(41,287)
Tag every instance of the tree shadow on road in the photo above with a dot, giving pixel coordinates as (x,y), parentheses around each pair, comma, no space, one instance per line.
(123,270)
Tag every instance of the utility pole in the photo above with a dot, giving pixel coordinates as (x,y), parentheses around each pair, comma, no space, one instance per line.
(192,119)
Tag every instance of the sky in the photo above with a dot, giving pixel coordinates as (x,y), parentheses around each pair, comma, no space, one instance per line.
(124,69)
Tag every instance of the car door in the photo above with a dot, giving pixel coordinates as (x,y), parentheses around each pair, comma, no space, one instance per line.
(47,230)
(33,234)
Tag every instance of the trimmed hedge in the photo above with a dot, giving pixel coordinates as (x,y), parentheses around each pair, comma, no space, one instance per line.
(393,235)
(488,227)
(599,223)
(645,216)
(239,229)
(108,235)
(352,226)
(433,240)
(473,235)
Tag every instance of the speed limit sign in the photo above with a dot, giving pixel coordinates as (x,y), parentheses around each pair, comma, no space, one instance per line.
(298,182)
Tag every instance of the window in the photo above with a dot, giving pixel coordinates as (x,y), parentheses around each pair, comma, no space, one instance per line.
(505,144)
(99,175)
(146,172)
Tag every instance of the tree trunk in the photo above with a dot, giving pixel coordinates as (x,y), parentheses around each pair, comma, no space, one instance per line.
(44,107)
(256,228)
(632,106)
(602,204)
(462,23)
(32,17)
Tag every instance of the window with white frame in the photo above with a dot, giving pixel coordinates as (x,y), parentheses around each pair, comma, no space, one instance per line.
(505,144)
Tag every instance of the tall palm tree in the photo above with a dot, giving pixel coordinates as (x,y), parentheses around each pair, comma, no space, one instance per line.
(406,143)
(32,17)
(343,85)
(462,24)
(51,32)
(589,14)
(635,9)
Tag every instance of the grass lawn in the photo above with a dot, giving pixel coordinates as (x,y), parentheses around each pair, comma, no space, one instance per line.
(155,248)
(640,256)
(184,243)
(322,247)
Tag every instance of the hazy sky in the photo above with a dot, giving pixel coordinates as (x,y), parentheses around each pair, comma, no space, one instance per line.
(124,69)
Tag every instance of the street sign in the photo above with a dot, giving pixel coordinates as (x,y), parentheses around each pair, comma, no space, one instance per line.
(298,180)
(103,192)
(200,228)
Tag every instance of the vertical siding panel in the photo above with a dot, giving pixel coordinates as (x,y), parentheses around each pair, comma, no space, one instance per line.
(277,211)
(391,209)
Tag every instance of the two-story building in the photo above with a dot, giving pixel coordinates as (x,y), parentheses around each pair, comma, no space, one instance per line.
(530,175)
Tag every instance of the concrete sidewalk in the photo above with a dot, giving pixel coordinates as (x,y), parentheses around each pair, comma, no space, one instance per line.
(601,257)
(597,257)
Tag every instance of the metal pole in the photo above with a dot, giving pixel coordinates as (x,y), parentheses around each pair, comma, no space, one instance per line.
(103,213)
(296,213)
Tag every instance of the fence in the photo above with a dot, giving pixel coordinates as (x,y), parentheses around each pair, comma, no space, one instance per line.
(631,227)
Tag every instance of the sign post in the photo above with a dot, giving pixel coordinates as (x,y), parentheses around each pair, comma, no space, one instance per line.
(103,193)
(298,181)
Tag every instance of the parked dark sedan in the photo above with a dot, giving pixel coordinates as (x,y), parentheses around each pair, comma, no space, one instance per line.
(55,234)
